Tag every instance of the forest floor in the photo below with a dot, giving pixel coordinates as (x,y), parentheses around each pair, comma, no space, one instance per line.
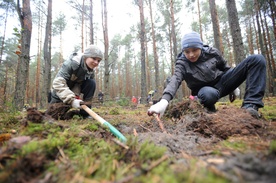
(194,146)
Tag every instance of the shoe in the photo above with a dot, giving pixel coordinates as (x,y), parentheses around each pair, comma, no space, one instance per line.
(252,109)
(211,109)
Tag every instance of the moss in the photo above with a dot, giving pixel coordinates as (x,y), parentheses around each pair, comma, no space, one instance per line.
(114,111)
(272,147)
(238,145)
(150,151)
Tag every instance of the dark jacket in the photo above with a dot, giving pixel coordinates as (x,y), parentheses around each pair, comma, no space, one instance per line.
(67,83)
(206,71)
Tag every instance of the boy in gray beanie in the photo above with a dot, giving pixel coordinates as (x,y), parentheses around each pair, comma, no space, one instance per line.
(74,83)
(210,78)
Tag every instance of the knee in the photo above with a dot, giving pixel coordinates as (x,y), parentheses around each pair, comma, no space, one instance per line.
(258,59)
(208,96)
(91,83)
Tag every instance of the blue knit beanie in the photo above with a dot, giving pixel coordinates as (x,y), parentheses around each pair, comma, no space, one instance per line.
(191,40)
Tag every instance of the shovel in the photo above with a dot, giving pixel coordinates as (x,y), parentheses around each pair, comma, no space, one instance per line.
(103,122)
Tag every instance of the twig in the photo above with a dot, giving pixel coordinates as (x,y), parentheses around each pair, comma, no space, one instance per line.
(145,128)
(156,163)
(135,132)
(63,157)
(143,171)
(120,143)
(160,123)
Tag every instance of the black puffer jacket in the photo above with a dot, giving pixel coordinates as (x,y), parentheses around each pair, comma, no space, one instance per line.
(206,71)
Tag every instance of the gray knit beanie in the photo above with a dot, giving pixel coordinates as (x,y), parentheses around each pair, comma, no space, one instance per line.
(93,51)
(191,40)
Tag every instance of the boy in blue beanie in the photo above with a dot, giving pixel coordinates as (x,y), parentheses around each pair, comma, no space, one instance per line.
(210,78)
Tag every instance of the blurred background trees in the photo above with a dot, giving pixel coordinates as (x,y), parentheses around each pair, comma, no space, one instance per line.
(135,61)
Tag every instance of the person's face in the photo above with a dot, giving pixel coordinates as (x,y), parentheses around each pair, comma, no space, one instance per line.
(92,62)
(192,54)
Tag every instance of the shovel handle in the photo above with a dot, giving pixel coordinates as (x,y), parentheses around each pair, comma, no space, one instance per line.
(112,129)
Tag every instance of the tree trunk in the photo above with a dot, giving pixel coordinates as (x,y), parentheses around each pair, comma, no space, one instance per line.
(4,34)
(173,34)
(25,17)
(174,43)
(156,62)
(38,67)
(142,42)
(199,19)
(216,28)
(91,23)
(106,48)
(249,33)
(235,30)
(257,36)
(259,30)
(269,55)
(47,56)
(148,74)
(82,26)
(273,15)
(127,74)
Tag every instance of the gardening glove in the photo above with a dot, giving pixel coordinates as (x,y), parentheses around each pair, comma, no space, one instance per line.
(158,108)
(233,95)
(76,103)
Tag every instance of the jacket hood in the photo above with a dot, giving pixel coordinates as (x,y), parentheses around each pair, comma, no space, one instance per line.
(79,58)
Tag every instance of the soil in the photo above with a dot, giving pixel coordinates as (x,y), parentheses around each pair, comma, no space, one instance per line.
(191,132)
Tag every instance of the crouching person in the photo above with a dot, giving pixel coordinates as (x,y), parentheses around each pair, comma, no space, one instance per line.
(74,83)
(210,78)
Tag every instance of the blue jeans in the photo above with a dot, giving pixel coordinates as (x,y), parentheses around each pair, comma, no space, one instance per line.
(252,69)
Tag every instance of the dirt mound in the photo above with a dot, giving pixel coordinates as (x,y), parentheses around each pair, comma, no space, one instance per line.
(227,121)
(188,125)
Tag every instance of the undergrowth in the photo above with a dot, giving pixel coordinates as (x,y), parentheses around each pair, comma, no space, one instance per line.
(79,151)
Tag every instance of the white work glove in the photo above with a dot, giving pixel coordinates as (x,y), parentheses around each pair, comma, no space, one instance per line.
(76,103)
(158,108)
(233,95)
(237,92)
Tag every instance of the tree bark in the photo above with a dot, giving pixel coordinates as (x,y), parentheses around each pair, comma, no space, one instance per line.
(142,45)
(199,20)
(174,44)
(235,30)
(216,28)
(155,55)
(25,17)
(47,56)
(91,23)
(106,48)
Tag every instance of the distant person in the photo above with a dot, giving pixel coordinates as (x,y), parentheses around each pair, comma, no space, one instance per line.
(210,78)
(139,100)
(74,83)
(134,100)
(100,96)
(150,95)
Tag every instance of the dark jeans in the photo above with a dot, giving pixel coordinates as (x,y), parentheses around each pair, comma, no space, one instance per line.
(252,69)
(88,88)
